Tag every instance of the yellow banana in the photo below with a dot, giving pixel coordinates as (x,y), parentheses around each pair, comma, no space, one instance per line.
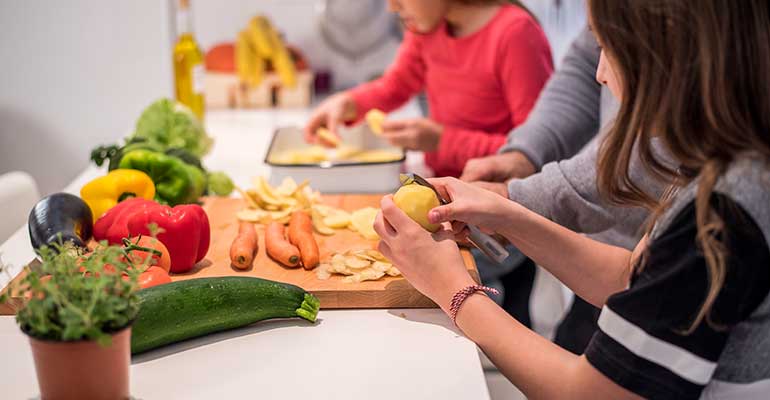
(259,34)
(250,67)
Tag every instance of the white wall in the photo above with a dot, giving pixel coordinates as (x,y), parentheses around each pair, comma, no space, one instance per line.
(75,74)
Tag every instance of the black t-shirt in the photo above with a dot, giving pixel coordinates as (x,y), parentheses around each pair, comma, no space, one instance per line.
(641,345)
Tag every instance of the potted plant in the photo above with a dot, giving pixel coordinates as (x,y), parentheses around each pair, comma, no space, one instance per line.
(77,315)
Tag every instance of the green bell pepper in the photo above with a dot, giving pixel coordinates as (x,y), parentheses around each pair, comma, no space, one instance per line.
(176,182)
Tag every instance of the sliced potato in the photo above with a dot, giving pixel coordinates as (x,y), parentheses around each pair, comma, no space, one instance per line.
(337,219)
(318,223)
(356,263)
(381,266)
(393,271)
(363,222)
(365,275)
(322,272)
(376,255)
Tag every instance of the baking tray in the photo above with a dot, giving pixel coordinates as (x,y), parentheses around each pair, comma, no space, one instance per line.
(337,176)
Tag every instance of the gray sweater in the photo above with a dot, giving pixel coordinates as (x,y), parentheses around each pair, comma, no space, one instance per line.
(561,138)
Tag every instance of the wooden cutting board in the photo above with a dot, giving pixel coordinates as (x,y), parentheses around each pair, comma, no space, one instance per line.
(388,292)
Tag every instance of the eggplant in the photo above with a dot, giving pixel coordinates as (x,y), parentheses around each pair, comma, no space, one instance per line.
(60,218)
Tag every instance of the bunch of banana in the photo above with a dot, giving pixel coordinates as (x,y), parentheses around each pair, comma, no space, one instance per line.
(256,45)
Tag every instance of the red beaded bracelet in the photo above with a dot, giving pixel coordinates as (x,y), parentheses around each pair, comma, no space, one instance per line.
(459,298)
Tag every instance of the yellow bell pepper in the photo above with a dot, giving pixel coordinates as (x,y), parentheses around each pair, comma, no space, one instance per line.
(107,191)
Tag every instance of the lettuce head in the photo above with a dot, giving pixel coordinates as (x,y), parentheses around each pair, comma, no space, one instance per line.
(172,125)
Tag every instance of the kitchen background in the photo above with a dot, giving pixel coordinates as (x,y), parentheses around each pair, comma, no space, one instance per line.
(76,74)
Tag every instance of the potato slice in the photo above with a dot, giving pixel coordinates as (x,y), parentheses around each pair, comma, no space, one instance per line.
(376,254)
(318,223)
(363,221)
(362,255)
(365,275)
(337,219)
(354,262)
(381,266)
(393,271)
(375,118)
(322,272)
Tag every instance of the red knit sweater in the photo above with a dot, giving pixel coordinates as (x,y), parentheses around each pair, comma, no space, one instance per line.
(479,86)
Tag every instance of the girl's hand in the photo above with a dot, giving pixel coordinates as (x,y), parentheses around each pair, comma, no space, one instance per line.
(333,111)
(470,204)
(421,134)
(430,262)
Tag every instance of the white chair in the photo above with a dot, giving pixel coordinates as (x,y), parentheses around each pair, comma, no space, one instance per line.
(18,193)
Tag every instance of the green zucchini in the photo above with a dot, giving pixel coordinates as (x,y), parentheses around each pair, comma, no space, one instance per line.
(186,309)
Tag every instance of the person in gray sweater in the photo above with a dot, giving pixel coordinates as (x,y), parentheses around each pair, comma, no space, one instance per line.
(549,166)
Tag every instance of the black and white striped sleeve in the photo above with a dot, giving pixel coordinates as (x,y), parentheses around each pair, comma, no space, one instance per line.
(640,344)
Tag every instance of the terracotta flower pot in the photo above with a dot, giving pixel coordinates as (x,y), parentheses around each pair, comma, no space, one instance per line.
(83,369)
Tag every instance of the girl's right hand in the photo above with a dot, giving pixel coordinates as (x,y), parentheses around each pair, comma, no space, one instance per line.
(335,110)
(470,204)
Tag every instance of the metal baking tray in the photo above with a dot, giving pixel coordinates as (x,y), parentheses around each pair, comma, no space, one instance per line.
(336,176)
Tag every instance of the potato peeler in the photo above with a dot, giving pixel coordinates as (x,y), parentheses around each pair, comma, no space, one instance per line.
(485,243)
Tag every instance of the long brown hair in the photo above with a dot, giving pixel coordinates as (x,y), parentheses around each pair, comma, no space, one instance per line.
(694,74)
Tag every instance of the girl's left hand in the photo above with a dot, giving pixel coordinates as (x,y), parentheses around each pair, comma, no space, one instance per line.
(421,134)
(430,262)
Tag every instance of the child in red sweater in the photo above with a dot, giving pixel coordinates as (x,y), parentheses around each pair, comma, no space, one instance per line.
(482,65)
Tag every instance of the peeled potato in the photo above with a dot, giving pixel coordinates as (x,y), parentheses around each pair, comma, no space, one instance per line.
(416,201)
(363,222)
(375,118)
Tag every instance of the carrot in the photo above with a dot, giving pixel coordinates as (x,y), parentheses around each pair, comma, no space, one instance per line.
(278,248)
(301,235)
(244,246)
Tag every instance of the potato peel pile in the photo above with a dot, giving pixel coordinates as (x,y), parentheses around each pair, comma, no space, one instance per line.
(357,266)
(266,204)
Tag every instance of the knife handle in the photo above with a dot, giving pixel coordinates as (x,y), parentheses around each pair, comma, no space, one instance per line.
(487,244)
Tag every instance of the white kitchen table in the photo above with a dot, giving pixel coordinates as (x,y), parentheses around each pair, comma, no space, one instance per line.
(347,354)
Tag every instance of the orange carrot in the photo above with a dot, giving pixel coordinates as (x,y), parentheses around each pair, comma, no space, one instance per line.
(244,246)
(301,235)
(278,248)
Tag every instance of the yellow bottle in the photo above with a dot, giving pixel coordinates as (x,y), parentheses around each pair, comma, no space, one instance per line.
(188,63)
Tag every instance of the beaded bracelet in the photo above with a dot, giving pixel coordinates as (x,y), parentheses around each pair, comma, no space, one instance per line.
(459,298)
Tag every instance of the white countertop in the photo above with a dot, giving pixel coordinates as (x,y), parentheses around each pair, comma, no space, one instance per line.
(348,354)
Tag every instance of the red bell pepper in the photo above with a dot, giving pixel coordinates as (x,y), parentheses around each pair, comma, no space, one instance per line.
(183,229)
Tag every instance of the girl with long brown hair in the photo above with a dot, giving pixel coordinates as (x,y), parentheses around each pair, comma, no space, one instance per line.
(481,64)
(687,313)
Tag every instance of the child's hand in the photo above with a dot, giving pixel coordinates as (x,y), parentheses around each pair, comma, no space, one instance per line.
(335,110)
(406,243)
(422,134)
(470,204)
(498,167)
